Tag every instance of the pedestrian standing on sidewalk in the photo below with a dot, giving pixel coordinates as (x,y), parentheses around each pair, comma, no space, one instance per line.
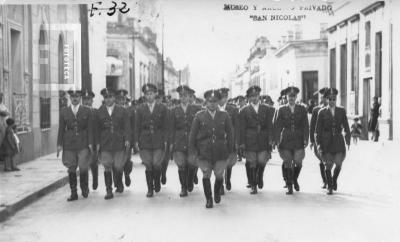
(87,100)
(234,115)
(152,134)
(331,121)
(75,140)
(210,143)
(356,129)
(121,100)
(256,136)
(112,141)
(291,134)
(4,113)
(313,122)
(11,146)
(181,117)
(373,121)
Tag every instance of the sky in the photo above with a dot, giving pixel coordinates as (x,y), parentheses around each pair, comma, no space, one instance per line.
(213,41)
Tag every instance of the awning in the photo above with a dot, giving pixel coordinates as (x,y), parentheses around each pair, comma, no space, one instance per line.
(114,66)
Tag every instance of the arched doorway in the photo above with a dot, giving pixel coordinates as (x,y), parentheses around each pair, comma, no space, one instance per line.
(44,79)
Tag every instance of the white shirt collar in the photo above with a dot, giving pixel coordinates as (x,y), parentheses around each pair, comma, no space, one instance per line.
(255,106)
(223,107)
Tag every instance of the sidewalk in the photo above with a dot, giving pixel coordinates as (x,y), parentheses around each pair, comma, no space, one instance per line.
(36,179)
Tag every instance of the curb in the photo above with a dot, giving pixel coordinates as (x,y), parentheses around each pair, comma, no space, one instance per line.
(10,210)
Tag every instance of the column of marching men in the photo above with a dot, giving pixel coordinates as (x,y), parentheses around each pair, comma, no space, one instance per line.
(210,135)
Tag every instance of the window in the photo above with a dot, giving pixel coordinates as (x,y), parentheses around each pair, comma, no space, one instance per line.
(354,72)
(332,67)
(343,75)
(378,64)
(367,35)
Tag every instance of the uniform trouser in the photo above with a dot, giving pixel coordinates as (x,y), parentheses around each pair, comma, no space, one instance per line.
(181,160)
(292,158)
(259,158)
(207,167)
(113,159)
(152,159)
(72,159)
(232,160)
(333,158)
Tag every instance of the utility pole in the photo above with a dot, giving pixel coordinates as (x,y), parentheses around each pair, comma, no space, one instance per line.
(162,58)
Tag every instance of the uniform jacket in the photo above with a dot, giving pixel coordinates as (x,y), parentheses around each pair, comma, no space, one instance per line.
(313,122)
(256,128)
(180,124)
(75,133)
(211,139)
(329,137)
(233,112)
(151,128)
(132,119)
(291,129)
(112,131)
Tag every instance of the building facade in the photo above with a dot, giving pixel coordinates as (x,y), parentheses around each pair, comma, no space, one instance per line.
(40,58)
(362,51)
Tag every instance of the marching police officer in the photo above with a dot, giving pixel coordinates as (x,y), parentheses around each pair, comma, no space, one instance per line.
(282,100)
(87,100)
(194,101)
(256,136)
(181,117)
(112,141)
(292,131)
(331,121)
(161,99)
(121,99)
(313,122)
(75,139)
(151,136)
(233,112)
(210,143)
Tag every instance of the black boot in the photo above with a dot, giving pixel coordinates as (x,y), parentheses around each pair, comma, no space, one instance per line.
(164,170)
(207,192)
(296,174)
(217,190)
(190,178)
(254,180)
(156,179)
(336,173)
(108,182)
(289,180)
(195,179)
(183,180)
(149,181)
(284,175)
(94,167)
(323,176)
(73,183)
(328,174)
(260,171)
(228,175)
(114,177)
(119,184)
(248,173)
(222,190)
(83,181)
(127,171)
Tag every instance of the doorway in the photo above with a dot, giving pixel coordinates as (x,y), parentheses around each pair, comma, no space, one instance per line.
(310,86)
(366,107)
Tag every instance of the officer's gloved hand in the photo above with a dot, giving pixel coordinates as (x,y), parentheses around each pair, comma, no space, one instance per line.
(319,149)
(305,143)
(59,149)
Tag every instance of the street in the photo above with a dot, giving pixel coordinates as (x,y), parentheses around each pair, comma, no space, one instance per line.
(363,209)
